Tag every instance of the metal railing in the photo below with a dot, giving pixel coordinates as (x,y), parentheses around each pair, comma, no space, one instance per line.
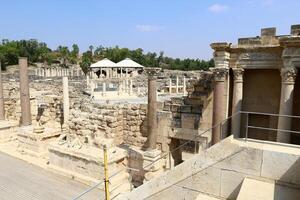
(163,155)
(225,130)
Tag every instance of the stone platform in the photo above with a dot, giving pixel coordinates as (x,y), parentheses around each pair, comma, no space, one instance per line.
(36,144)
(8,130)
(86,165)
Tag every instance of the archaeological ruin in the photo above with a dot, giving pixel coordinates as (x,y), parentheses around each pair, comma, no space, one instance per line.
(231,132)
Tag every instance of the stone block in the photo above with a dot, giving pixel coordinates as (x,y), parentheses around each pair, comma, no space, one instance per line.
(248,161)
(281,166)
(206,181)
(231,183)
(190,120)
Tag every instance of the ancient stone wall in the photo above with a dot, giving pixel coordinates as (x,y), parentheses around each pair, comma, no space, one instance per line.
(135,124)
(45,104)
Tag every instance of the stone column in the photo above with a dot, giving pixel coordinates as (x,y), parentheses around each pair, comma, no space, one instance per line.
(177,83)
(24,93)
(152,108)
(170,86)
(219,102)
(288,77)
(2,110)
(184,86)
(92,88)
(66,105)
(237,101)
(220,96)
(130,87)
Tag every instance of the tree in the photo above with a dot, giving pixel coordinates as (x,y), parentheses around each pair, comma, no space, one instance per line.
(86,61)
(64,54)
(74,53)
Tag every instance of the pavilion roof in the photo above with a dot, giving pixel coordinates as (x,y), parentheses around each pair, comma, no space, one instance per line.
(104,63)
(129,63)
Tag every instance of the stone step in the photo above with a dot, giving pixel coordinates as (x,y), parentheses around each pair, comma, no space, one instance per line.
(262,190)
(177,100)
(193,101)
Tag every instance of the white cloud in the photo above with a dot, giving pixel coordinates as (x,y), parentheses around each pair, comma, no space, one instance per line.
(147,28)
(217,8)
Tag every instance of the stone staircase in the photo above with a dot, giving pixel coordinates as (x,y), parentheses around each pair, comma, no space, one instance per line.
(187,111)
(224,172)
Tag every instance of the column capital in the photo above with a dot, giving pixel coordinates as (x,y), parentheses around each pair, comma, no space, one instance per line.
(220,74)
(152,72)
(238,74)
(288,75)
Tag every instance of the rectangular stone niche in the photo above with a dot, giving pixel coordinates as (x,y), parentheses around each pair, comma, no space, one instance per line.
(86,165)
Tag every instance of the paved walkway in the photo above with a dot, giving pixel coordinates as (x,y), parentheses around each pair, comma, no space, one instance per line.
(21,180)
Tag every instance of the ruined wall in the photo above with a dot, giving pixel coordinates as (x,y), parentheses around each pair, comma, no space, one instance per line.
(46,106)
(135,124)
(92,122)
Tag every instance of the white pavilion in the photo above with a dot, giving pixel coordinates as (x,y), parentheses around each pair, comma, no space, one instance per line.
(108,69)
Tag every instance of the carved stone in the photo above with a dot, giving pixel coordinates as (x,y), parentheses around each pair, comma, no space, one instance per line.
(288,75)
(220,74)
(238,74)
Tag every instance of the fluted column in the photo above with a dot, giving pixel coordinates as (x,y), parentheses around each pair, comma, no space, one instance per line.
(219,101)
(237,101)
(2,110)
(152,108)
(288,77)
(24,93)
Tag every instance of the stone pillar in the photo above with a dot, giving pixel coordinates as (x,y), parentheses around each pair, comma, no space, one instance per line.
(66,105)
(237,101)
(170,86)
(121,72)
(184,86)
(219,102)
(220,96)
(24,93)
(288,77)
(177,83)
(2,110)
(152,108)
(130,87)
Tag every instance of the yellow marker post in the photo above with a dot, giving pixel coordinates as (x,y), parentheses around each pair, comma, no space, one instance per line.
(106,181)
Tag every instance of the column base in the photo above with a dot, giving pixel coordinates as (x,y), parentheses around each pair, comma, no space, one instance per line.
(152,170)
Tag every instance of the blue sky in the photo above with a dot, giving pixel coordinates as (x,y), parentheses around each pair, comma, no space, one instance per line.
(180,28)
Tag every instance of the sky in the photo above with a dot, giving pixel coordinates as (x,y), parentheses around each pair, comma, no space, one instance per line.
(180,28)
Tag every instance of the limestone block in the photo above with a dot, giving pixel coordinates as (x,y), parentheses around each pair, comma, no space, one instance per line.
(248,161)
(231,183)
(281,166)
(189,120)
(206,181)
